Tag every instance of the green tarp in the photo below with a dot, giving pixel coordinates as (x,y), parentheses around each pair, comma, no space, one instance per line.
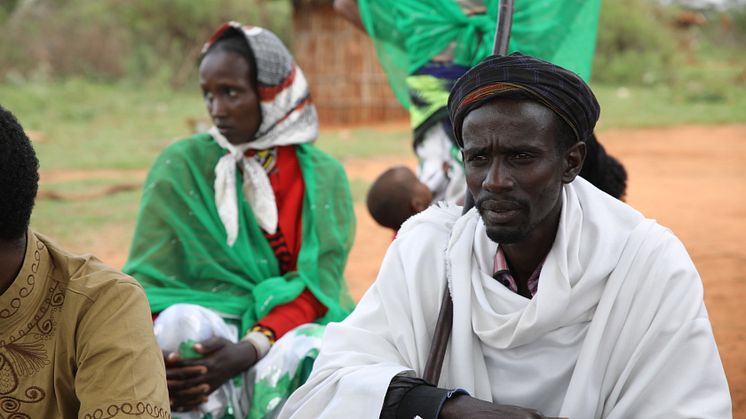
(409,33)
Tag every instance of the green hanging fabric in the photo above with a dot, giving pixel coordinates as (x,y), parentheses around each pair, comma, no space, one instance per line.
(409,33)
(180,255)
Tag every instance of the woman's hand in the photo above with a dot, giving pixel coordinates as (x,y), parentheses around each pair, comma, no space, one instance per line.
(191,381)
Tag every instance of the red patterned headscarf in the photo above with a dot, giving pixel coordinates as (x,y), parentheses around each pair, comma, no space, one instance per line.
(288,115)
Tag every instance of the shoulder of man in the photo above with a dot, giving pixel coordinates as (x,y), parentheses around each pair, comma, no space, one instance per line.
(437,219)
(104,329)
(88,277)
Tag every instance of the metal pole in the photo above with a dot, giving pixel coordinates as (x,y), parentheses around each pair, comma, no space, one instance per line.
(504,24)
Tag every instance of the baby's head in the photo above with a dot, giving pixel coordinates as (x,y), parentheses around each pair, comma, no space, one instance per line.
(396,195)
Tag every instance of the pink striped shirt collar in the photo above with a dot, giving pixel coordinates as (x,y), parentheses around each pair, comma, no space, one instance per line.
(503,275)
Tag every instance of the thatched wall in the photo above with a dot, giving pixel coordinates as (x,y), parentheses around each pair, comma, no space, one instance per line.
(348,85)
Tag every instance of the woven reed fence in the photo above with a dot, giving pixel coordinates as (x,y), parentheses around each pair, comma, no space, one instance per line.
(347,84)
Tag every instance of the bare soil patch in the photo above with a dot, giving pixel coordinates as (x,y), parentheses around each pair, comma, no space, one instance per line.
(51,176)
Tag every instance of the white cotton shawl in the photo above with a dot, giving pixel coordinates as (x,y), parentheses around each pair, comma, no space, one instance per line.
(618,328)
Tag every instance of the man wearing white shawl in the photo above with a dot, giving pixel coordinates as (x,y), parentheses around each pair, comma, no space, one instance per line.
(566,302)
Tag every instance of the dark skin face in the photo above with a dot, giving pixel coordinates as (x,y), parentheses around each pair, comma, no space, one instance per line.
(515,171)
(231,98)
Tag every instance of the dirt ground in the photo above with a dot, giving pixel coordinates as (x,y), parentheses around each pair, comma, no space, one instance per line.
(691,179)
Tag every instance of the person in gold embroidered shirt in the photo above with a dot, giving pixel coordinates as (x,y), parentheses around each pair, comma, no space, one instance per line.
(76,340)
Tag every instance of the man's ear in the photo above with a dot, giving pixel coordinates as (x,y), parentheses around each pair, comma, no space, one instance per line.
(573,159)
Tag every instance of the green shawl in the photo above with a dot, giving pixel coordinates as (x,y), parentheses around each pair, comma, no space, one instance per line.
(179,252)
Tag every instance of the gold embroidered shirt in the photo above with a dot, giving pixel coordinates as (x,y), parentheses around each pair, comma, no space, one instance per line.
(76,341)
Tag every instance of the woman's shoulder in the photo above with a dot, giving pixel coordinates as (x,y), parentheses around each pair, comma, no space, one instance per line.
(196,144)
(317,154)
(195,154)
(319,159)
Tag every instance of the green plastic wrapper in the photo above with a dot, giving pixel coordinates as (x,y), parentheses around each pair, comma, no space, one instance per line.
(186,350)
(284,369)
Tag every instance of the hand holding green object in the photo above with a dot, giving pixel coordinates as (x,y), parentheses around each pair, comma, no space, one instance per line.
(217,360)
(186,350)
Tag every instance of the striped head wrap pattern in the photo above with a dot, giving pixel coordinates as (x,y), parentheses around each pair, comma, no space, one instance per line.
(521,76)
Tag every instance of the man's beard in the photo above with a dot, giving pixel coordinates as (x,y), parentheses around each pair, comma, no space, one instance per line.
(507,234)
(516,233)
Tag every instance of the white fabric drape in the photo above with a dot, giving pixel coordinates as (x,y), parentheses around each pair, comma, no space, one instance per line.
(256,188)
(617,329)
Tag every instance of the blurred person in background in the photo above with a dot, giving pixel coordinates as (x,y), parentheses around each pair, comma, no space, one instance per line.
(396,195)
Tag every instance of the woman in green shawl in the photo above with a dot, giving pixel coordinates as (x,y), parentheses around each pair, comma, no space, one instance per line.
(243,235)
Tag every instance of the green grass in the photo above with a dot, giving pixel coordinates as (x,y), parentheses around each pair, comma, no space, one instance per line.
(88,224)
(359,189)
(366,142)
(87,125)
(707,87)
(660,106)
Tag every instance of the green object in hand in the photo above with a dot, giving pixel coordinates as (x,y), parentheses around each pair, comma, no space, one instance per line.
(186,350)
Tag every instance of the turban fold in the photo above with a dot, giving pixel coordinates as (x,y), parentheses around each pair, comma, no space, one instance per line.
(522,76)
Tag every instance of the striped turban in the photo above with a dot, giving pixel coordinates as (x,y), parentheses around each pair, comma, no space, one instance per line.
(519,76)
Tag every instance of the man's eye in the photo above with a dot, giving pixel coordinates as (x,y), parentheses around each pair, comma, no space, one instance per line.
(522,156)
(474,158)
(231,92)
